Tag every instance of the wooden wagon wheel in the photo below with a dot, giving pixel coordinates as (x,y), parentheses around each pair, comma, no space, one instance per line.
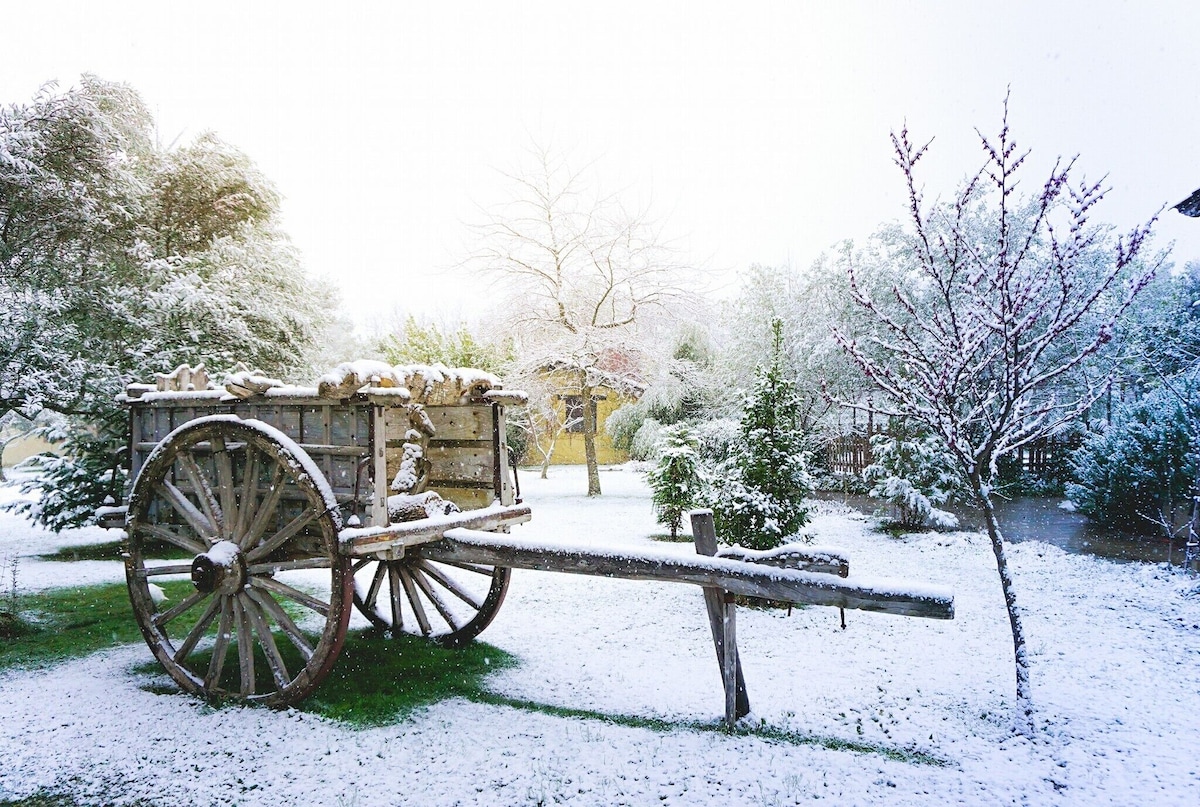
(236,527)
(448,603)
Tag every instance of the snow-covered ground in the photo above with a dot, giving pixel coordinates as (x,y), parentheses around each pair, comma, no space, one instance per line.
(1116,666)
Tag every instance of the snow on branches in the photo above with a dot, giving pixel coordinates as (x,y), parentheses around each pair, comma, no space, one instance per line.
(1004,299)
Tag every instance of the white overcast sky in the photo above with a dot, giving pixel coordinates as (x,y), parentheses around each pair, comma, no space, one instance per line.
(758,132)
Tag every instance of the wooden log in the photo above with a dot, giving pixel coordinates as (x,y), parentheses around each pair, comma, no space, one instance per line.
(412,507)
(737,577)
(721,620)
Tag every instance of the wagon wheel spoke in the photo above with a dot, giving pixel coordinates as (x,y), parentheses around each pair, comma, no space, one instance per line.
(191,514)
(184,542)
(245,649)
(234,594)
(266,510)
(414,601)
(246,501)
(453,586)
(158,571)
(292,565)
(470,567)
(294,594)
(276,612)
(186,605)
(208,502)
(394,589)
(220,644)
(376,581)
(266,640)
(444,610)
(197,631)
(225,480)
(278,539)
(448,604)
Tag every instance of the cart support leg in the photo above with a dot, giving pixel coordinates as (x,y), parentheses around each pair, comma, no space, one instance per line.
(731,665)
(722,620)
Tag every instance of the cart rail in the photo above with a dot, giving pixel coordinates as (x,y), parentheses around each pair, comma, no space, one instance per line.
(361,542)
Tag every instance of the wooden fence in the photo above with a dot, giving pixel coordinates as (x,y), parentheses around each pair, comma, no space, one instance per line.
(851,453)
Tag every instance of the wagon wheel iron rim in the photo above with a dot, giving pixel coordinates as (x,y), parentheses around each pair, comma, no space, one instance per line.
(229,520)
(447,603)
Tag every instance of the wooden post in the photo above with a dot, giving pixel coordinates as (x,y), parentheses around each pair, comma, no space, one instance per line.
(722,620)
(731,665)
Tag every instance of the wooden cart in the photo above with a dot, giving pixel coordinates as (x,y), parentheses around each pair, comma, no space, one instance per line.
(255,524)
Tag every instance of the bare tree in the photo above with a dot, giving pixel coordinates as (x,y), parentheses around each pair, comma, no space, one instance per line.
(1004,302)
(581,275)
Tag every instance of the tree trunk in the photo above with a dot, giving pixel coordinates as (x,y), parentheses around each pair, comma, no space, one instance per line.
(546,456)
(1024,716)
(4,445)
(589,435)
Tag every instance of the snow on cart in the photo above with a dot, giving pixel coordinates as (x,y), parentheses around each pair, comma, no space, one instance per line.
(261,514)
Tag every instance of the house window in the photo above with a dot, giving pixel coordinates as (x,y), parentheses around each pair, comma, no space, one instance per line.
(574,413)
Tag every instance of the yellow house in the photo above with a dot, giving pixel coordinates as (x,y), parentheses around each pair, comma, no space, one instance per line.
(565,429)
(22,448)
(568,450)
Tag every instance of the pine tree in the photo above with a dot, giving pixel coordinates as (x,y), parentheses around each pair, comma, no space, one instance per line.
(676,479)
(760,502)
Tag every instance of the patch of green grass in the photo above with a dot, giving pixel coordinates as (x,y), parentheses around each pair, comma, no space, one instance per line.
(12,626)
(681,538)
(378,679)
(70,622)
(111,550)
(762,732)
(42,800)
(64,798)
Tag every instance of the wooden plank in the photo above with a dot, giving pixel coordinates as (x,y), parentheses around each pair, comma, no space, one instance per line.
(379,466)
(721,621)
(452,464)
(478,445)
(461,422)
(748,579)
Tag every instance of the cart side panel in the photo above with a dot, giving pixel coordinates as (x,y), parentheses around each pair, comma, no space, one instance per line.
(467,454)
(335,434)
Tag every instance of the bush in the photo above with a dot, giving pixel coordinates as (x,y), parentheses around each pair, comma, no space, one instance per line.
(717,440)
(913,473)
(90,471)
(645,443)
(1141,469)
(623,424)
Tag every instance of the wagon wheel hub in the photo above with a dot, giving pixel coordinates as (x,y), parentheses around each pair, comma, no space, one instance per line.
(222,568)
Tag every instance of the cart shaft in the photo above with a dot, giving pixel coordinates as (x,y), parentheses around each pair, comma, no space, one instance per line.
(737,577)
